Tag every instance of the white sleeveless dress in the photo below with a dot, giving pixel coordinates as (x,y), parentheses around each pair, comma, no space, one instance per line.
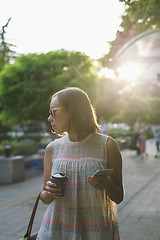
(84,213)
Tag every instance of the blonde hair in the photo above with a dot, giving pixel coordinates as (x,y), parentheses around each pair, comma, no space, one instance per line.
(82,117)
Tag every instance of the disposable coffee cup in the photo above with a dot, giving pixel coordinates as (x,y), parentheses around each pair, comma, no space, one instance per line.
(60,179)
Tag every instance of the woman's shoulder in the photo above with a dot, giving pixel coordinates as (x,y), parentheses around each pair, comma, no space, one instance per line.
(50,146)
(99,135)
(55,142)
(105,138)
(100,139)
(112,143)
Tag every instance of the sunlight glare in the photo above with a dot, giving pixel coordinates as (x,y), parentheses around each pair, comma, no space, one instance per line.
(107,73)
(95,63)
(129,72)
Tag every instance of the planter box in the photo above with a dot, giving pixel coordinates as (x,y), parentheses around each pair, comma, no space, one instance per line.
(11,169)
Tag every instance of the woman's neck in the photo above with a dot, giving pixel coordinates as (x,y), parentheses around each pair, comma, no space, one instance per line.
(76,137)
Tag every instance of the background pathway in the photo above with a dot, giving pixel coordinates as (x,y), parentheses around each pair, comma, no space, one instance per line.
(139,213)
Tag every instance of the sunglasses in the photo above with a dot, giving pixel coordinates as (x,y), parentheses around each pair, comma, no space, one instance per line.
(52,112)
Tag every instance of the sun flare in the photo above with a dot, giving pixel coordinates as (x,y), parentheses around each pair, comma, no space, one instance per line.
(129,72)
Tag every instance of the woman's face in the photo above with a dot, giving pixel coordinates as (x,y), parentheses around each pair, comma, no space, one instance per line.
(58,117)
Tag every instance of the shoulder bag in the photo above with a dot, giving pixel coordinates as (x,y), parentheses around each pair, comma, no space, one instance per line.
(28,235)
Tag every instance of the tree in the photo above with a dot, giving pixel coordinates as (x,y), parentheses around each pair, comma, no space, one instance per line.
(141,14)
(154,113)
(6,54)
(110,102)
(28,84)
(135,106)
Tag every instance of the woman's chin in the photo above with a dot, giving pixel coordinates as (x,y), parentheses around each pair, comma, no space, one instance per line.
(55,131)
(52,131)
(58,131)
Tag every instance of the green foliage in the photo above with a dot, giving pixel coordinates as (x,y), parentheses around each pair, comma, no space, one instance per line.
(28,84)
(108,106)
(6,53)
(149,133)
(135,106)
(37,137)
(154,113)
(4,136)
(120,102)
(120,133)
(143,99)
(4,143)
(24,145)
(141,15)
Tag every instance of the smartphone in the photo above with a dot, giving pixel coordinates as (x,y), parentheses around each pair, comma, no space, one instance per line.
(103,172)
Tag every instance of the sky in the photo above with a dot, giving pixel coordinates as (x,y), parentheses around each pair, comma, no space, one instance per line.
(47,25)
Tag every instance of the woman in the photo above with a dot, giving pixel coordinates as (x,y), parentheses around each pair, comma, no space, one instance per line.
(103,126)
(157,141)
(88,209)
(142,143)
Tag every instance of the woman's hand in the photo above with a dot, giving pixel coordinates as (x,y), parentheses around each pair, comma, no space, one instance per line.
(99,182)
(52,190)
(112,184)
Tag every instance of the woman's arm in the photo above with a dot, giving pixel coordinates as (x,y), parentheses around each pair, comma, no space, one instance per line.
(49,189)
(112,184)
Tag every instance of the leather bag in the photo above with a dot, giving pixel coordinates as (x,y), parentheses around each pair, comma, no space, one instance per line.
(28,235)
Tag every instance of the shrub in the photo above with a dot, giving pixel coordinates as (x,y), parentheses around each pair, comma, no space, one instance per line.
(32,136)
(5,136)
(120,133)
(24,147)
(3,145)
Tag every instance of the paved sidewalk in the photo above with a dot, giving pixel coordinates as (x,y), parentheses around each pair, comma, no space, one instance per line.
(139,213)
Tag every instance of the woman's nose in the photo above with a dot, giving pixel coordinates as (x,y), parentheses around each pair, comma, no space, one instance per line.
(50,118)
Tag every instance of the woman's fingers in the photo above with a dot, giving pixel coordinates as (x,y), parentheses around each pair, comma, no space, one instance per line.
(52,190)
(99,182)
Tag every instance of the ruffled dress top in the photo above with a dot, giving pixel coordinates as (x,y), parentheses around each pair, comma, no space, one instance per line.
(84,213)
